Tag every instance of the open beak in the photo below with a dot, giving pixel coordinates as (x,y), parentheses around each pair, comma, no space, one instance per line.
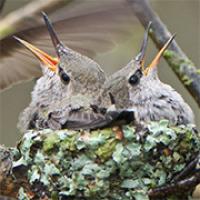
(141,56)
(156,60)
(46,59)
(56,42)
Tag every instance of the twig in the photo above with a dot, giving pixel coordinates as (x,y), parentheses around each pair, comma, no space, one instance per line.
(176,58)
(10,180)
(17,18)
(179,187)
(190,168)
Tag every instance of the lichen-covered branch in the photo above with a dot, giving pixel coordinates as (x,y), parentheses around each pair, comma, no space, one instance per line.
(97,165)
(176,58)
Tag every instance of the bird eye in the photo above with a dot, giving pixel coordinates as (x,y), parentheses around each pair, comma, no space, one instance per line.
(64,77)
(135,78)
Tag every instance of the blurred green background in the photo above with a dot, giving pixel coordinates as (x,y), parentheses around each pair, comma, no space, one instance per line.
(180,16)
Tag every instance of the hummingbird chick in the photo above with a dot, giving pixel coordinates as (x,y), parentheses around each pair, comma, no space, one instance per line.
(64,95)
(70,73)
(142,91)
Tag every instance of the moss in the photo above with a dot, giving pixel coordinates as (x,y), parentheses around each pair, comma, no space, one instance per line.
(97,165)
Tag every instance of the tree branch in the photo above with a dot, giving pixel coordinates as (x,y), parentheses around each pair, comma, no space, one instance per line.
(184,68)
(16,19)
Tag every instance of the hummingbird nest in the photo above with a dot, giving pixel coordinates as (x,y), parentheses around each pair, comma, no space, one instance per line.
(96,165)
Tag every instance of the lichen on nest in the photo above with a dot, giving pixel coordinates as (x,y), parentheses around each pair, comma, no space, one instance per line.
(66,164)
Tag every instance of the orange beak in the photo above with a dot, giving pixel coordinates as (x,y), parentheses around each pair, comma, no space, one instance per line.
(46,59)
(156,60)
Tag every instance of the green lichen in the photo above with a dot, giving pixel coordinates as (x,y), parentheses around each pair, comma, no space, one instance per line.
(50,142)
(198,71)
(186,80)
(22,195)
(97,165)
(179,64)
(168,54)
(175,59)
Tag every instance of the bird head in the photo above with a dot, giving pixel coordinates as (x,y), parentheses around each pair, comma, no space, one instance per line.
(141,75)
(124,80)
(134,81)
(77,73)
(143,82)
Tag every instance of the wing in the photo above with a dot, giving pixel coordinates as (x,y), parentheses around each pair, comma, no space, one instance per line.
(88,27)
(79,119)
(88,121)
